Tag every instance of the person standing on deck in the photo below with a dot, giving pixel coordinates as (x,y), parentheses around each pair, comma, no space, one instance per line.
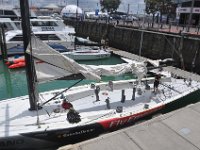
(156,82)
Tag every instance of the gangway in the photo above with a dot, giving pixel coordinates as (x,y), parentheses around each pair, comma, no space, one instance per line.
(182,73)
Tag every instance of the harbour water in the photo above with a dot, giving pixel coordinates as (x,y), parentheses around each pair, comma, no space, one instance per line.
(13,82)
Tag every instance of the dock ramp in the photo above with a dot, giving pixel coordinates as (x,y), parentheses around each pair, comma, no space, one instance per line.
(182,73)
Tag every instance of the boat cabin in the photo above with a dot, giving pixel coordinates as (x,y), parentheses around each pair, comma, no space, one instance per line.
(8,24)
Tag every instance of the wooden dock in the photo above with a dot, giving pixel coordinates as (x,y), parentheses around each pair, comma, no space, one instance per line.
(177,130)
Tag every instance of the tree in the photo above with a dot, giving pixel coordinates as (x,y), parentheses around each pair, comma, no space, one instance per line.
(166,7)
(152,8)
(110,5)
(163,6)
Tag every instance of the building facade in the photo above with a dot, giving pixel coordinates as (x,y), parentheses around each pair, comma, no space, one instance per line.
(185,8)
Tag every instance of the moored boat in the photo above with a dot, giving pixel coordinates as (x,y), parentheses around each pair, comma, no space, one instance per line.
(88,53)
(58,117)
(95,108)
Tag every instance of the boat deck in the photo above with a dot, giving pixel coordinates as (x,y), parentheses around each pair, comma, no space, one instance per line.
(15,117)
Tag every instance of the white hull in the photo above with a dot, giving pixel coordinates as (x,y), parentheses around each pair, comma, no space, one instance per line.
(17,121)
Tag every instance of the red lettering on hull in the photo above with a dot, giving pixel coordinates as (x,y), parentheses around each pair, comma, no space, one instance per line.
(119,122)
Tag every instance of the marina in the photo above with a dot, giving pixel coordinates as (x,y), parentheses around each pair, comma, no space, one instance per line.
(52,97)
(112,115)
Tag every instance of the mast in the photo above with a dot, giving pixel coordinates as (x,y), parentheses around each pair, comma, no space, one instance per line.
(30,71)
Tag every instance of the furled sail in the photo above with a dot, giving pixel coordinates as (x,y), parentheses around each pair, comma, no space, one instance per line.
(110,70)
(51,65)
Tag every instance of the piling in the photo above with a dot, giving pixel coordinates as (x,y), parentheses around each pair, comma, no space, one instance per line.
(3,43)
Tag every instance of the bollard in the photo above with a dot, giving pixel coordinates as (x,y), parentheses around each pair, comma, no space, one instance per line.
(123,96)
(96,91)
(134,90)
(107,103)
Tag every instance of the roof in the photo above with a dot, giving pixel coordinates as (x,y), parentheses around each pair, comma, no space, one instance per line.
(71,9)
(53,6)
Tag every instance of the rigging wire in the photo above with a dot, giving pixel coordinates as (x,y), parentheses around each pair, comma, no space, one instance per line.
(62,92)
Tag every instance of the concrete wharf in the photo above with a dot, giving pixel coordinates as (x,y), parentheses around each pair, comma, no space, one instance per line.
(177,130)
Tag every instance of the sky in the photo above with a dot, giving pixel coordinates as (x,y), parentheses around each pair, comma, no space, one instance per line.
(135,6)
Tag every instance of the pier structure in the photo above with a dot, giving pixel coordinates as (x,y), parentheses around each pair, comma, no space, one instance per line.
(183,47)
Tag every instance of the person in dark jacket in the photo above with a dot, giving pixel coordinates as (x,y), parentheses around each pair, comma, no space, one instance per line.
(156,82)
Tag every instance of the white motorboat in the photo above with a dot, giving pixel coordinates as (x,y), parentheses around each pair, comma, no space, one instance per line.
(56,34)
(91,109)
(51,31)
(88,53)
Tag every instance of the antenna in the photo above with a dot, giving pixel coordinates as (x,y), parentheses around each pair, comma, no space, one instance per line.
(128,9)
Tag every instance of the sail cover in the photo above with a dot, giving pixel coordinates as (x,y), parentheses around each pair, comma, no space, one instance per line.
(111,70)
(137,68)
(51,65)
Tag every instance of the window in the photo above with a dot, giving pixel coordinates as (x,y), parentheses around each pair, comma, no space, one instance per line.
(44,37)
(47,37)
(17,38)
(44,23)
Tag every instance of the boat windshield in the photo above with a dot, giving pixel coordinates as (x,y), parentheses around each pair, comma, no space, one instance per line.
(7,26)
(44,23)
(45,37)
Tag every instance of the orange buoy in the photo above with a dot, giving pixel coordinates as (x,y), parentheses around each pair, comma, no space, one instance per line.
(17,65)
(22,59)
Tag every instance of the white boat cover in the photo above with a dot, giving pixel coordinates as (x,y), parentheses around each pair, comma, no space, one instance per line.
(53,65)
(139,69)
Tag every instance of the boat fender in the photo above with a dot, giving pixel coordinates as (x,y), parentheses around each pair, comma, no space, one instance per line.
(17,65)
